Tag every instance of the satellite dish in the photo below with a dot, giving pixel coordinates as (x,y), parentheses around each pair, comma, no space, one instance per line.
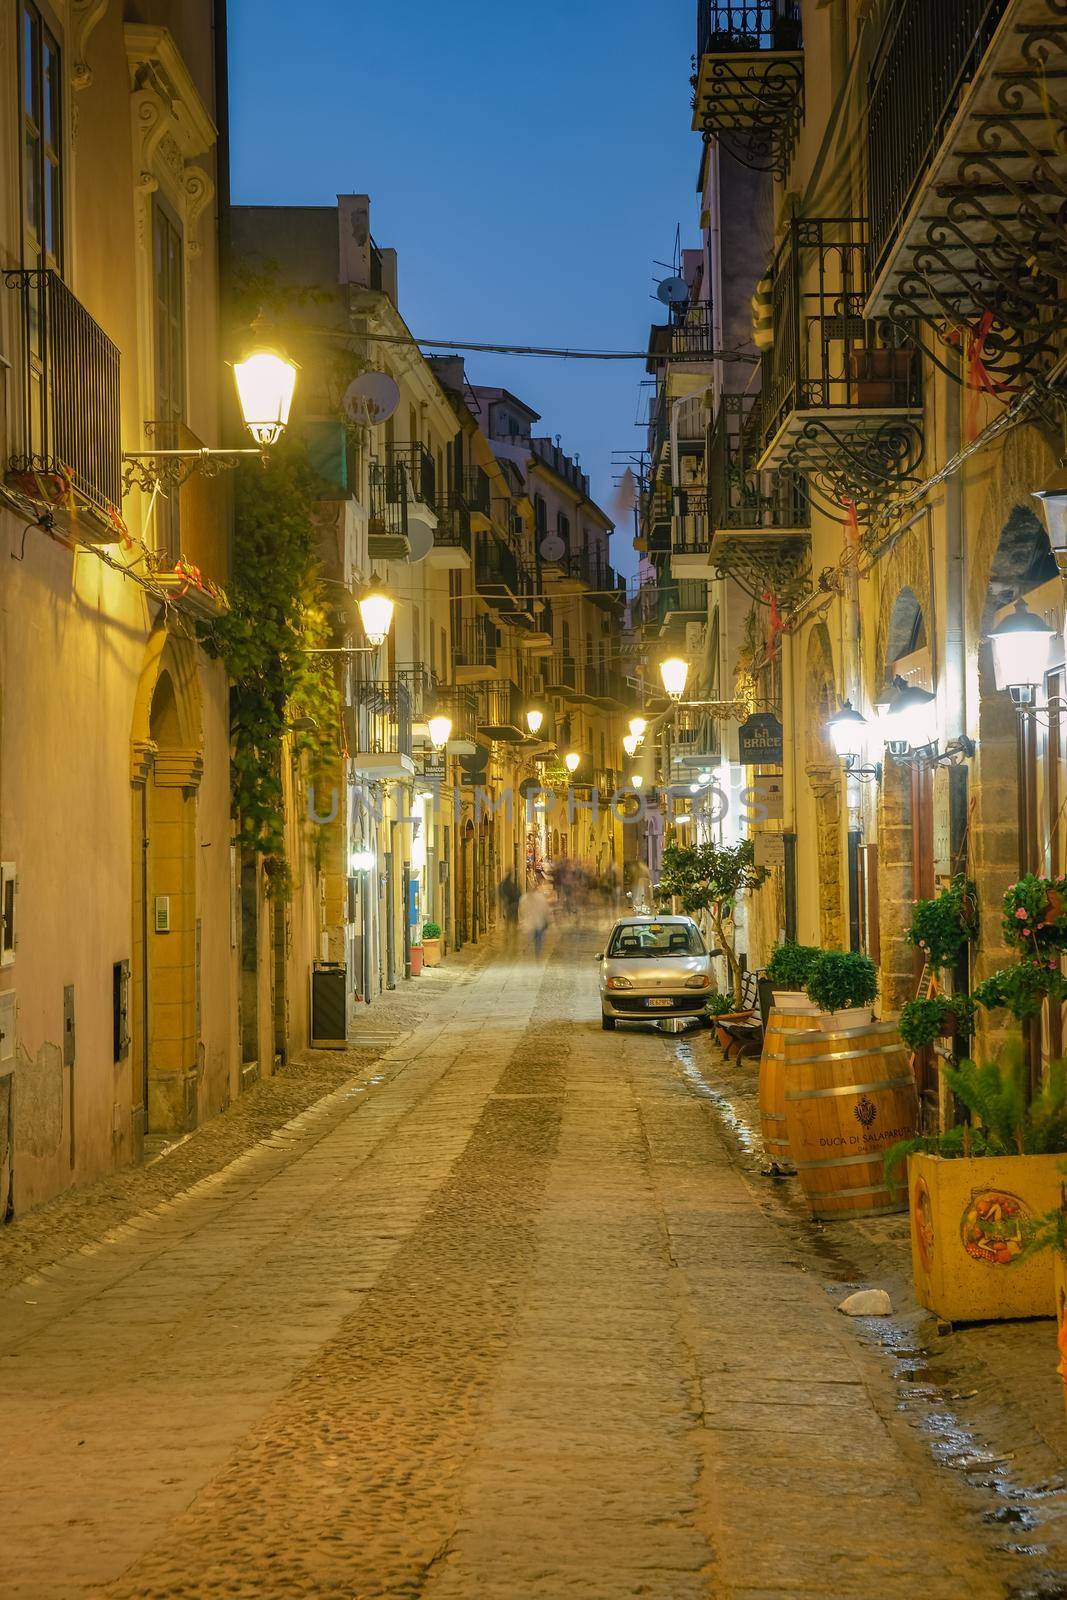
(552,547)
(420,541)
(673,292)
(371,398)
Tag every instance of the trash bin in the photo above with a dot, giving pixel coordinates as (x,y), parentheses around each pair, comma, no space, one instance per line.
(329,984)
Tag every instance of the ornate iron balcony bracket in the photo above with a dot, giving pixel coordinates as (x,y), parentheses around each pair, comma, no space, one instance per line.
(754,104)
(170,469)
(860,465)
(767,566)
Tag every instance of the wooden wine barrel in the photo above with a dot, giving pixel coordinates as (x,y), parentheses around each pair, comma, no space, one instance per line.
(849,1097)
(772,1077)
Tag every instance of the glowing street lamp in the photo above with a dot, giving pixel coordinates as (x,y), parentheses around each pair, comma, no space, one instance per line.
(361,861)
(847,730)
(911,722)
(534,720)
(630,744)
(265,382)
(376,615)
(638,726)
(572,761)
(1020,653)
(674,673)
(1053,499)
(439,728)
(636,781)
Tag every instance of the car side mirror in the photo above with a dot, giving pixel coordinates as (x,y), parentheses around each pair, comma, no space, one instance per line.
(599,956)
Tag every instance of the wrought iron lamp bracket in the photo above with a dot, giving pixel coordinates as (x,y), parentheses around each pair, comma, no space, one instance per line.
(170,469)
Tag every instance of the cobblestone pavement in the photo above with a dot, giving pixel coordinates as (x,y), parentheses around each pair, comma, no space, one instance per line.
(507,1317)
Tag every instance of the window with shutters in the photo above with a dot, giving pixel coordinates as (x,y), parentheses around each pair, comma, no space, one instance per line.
(42,175)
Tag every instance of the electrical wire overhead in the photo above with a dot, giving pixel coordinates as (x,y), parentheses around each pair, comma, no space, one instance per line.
(556,352)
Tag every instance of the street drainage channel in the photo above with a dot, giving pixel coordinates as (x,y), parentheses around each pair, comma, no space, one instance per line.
(925,1395)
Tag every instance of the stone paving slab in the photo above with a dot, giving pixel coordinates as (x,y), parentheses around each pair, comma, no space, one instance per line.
(507,1324)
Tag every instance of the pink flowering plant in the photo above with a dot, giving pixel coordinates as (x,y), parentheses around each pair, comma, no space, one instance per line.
(1035,915)
(940,927)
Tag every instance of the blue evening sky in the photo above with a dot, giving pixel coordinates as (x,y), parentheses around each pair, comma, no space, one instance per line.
(529,164)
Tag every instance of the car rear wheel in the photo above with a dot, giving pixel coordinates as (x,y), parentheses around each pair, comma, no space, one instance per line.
(607,1023)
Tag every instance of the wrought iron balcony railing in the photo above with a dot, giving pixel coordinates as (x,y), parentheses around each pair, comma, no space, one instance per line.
(500,710)
(692,336)
(749,83)
(739,496)
(841,398)
(453,523)
(680,598)
(70,403)
(474,642)
(378,719)
(496,569)
(723,26)
(412,474)
(388,535)
(421,686)
(475,489)
(927,55)
(462,706)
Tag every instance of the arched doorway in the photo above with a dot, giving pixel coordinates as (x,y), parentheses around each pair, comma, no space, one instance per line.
(824,776)
(167,766)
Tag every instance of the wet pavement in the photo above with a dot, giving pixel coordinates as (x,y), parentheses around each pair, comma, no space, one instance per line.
(508,1312)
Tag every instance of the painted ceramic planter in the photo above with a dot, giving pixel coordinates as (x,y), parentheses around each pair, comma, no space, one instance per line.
(966,1219)
(794,1001)
(854,1017)
(416,960)
(431,952)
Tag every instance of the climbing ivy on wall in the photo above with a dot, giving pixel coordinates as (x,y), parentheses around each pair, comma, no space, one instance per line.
(278,614)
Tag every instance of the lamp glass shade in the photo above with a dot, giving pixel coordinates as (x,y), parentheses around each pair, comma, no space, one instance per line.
(636,781)
(376,615)
(440,730)
(629,744)
(1053,499)
(1020,648)
(361,861)
(638,726)
(675,673)
(911,721)
(572,760)
(265,383)
(534,720)
(847,730)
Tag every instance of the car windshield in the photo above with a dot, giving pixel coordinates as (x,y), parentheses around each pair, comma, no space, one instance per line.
(636,941)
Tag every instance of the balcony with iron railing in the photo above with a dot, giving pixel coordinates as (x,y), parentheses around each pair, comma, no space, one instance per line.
(501,711)
(388,534)
(967,170)
(69,454)
(497,572)
(841,398)
(758,521)
(748,89)
(452,538)
(691,336)
(475,489)
(474,649)
(378,728)
(412,474)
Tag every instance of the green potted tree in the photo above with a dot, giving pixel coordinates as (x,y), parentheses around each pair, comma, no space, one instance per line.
(844,984)
(431,944)
(788,971)
(975,1192)
(711,878)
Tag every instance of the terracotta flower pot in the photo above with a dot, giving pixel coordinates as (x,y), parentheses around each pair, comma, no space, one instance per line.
(431,952)
(416,960)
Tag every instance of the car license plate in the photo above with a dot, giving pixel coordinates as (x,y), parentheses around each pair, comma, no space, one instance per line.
(665,1003)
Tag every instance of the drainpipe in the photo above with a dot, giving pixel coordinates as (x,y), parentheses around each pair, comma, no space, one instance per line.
(955,676)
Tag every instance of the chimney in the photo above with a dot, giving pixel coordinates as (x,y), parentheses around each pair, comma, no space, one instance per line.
(353,227)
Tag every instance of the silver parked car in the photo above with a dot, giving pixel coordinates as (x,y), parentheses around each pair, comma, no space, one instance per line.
(654,967)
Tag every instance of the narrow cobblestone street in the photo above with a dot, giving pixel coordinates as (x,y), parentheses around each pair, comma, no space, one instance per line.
(501,1318)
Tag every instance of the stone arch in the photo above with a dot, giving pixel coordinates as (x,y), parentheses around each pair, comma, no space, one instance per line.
(820,702)
(904,599)
(166,766)
(1026,460)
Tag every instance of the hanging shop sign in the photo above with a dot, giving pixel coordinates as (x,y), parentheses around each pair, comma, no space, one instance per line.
(767,799)
(759,740)
(769,849)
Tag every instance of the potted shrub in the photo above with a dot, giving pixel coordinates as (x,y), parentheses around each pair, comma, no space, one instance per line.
(1023,988)
(942,926)
(788,971)
(843,983)
(431,944)
(976,1192)
(940,1016)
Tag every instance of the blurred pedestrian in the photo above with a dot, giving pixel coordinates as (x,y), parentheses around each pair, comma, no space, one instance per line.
(534,917)
(509,895)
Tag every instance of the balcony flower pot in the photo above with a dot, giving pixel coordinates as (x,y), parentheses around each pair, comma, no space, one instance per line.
(431,952)
(966,1214)
(880,377)
(416,960)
